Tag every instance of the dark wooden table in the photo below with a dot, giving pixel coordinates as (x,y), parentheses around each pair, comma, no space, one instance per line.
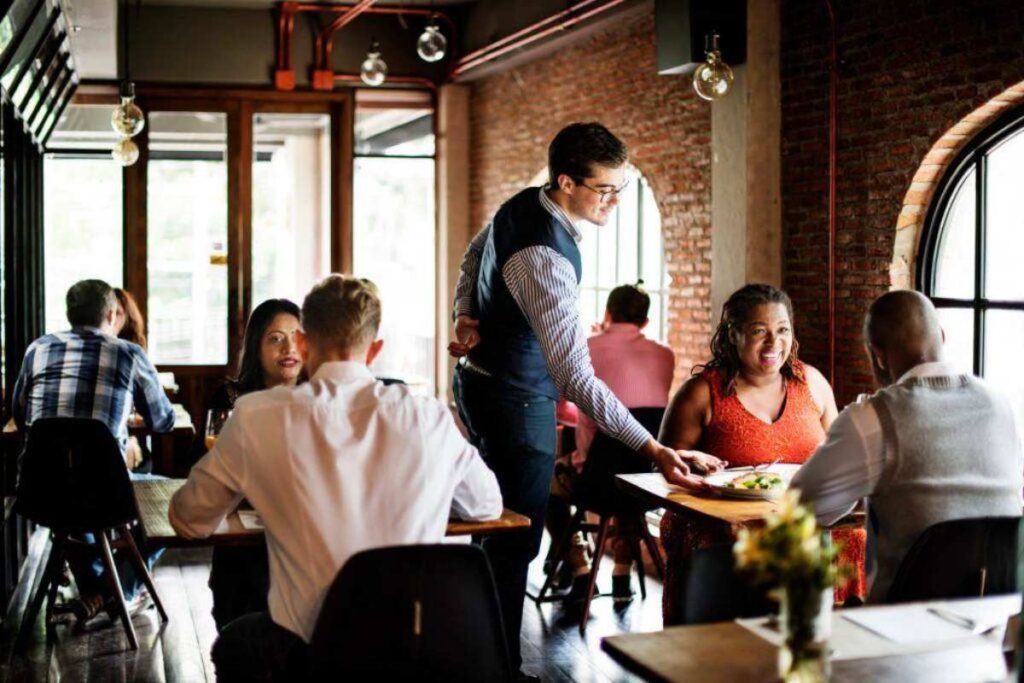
(654,490)
(727,652)
(154,497)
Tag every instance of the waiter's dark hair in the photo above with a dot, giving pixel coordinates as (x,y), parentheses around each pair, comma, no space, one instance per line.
(579,147)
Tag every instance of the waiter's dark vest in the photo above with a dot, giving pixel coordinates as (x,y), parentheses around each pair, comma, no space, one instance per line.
(508,347)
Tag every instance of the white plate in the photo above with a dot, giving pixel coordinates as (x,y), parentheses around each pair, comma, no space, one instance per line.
(719,481)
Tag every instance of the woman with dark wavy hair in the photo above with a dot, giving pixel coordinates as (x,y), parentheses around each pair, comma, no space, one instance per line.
(240,576)
(753,403)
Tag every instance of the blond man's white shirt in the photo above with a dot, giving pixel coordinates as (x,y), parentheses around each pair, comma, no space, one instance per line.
(335,466)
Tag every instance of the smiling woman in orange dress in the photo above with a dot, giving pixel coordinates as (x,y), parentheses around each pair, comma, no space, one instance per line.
(753,403)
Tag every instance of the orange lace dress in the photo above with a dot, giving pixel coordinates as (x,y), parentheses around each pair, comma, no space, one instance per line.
(736,435)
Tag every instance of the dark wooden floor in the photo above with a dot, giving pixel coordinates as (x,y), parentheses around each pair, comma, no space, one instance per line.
(179,650)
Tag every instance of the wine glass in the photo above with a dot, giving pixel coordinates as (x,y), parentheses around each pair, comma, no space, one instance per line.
(215,420)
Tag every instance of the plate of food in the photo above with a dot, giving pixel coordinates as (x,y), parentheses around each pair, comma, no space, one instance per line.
(760,483)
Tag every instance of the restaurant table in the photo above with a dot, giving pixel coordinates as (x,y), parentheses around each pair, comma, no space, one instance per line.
(654,490)
(154,497)
(728,651)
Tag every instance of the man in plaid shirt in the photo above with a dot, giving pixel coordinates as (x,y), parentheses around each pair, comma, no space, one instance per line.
(88,372)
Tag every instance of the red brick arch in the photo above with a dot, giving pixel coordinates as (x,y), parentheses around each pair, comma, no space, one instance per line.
(930,174)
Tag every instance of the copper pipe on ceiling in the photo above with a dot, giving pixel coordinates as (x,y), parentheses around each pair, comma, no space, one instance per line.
(391,80)
(529,35)
(323,48)
(833,77)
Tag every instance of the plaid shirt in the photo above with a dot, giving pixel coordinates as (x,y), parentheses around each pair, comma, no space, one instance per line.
(85,373)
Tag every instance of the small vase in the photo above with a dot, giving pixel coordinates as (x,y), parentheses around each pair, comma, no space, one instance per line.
(806,619)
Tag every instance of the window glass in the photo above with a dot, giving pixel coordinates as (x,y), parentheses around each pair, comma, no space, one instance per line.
(187,238)
(291,194)
(954,276)
(958,325)
(394,237)
(1003,332)
(82,233)
(1005,204)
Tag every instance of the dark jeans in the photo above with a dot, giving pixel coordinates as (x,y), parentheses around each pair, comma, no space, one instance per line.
(254,648)
(87,567)
(514,431)
(239,581)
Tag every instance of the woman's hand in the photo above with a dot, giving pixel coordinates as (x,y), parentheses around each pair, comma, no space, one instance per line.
(703,462)
(673,466)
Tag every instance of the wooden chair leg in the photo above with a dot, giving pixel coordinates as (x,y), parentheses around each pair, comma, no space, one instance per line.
(602,537)
(140,565)
(49,577)
(115,586)
(652,548)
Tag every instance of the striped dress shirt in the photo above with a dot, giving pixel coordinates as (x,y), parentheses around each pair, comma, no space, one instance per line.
(543,284)
(85,373)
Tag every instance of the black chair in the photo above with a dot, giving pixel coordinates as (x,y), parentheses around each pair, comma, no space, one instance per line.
(959,559)
(713,591)
(419,612)
(595,491)
(74,481)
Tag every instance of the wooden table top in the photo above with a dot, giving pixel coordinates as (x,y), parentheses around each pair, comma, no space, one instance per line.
(154,497)
(653,489)
(727,651)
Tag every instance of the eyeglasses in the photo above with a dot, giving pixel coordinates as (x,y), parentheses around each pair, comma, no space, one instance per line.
(605,193)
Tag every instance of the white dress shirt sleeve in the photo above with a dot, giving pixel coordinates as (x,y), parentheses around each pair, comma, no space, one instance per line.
(214,485)
(543,284)
(847,467)
(477,497)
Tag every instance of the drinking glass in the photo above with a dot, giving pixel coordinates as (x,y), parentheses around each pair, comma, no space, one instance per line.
(215,420)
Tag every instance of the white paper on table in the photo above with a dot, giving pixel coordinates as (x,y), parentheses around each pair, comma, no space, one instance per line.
(250,519)
(909,625)
(223,527)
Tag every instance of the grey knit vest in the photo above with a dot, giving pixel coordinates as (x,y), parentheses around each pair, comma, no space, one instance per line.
(951,452)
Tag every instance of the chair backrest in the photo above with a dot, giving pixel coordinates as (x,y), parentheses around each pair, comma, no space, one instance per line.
(596,489)
(713,591)
(72,476)
(418,612)
(959,559)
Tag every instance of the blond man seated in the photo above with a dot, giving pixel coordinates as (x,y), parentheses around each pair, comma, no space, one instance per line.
(334,466)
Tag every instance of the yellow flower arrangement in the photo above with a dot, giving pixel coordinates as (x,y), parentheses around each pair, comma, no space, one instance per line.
(787,549)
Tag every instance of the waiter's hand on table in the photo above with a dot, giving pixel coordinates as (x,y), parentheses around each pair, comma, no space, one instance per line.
(467,335)
(678,466)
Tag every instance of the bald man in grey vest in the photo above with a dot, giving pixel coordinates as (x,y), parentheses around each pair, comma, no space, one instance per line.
(932,445)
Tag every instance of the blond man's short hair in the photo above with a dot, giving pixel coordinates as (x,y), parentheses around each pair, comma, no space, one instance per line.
(341,312)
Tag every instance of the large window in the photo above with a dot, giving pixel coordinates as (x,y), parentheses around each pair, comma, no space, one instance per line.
(291,194)
(187,250)
(82,233)
(972,251)
(627,249)
(82,208)
(394,240)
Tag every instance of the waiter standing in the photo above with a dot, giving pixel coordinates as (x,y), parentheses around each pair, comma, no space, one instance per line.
(517,327)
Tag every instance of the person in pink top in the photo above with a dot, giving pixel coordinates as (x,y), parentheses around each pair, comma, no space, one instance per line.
(639,372)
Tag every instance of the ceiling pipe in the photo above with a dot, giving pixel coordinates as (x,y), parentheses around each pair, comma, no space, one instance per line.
(356,79)
(530,34)
(284,75)
(524,31)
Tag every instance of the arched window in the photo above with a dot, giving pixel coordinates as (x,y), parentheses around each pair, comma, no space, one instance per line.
(628,248)
(973,252)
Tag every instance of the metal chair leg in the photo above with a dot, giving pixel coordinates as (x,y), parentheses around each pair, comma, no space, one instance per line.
(140,565)
(563,544)
(652,548)
(638,558)
(602,537)
(115,585)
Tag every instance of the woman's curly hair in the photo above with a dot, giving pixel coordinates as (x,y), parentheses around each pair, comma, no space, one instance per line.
(735,313)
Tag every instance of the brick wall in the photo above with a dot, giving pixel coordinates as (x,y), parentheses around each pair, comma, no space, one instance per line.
(610,77)
(910,71)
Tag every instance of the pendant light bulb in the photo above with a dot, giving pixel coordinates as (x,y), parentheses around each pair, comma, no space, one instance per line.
(374,70)
(127,119)
(432,44)
(712,79)
(125,152)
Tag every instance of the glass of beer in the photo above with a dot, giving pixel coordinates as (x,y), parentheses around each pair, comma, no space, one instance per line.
(215,420)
